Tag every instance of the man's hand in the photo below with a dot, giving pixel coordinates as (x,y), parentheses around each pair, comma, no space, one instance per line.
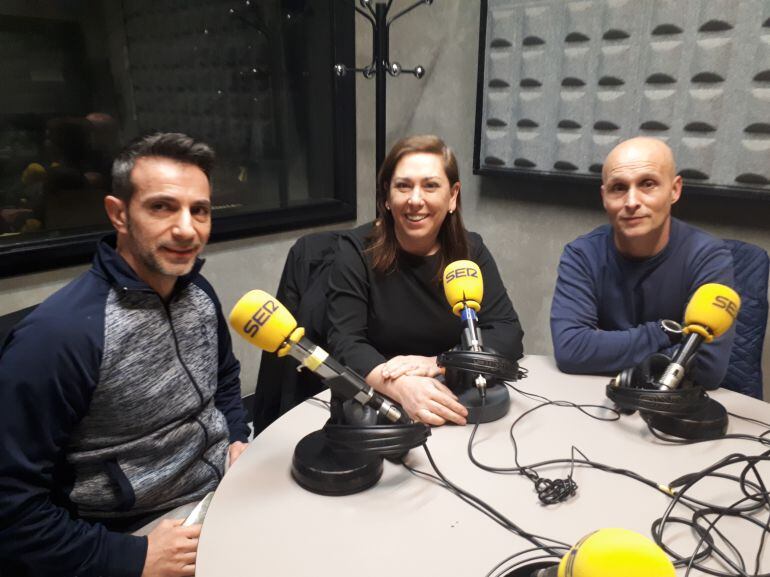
(235,451)
(428,401)
(171,549)
(414,365)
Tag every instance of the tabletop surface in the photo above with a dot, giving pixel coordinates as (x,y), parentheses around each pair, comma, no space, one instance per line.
(262,523)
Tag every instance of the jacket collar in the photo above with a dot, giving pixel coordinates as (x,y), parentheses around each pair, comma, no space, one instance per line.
(113,267)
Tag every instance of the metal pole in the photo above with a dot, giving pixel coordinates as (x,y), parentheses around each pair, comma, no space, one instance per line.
(381,61)
(376,13)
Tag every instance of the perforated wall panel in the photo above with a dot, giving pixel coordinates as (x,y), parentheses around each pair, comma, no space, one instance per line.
(562,82)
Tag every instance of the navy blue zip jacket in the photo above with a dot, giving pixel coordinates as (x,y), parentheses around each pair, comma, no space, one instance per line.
(113,404)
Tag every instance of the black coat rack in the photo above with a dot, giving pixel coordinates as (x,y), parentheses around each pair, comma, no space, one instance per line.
(376,13)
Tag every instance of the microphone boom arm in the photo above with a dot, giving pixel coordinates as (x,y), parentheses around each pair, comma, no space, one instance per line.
(342,380)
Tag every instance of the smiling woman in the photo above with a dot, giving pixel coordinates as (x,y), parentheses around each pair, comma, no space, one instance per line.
(387,311)
(418,200)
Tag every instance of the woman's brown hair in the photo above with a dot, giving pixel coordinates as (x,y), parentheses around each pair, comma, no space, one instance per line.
(452,238)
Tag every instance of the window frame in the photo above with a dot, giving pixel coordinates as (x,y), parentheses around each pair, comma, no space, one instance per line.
(69,249)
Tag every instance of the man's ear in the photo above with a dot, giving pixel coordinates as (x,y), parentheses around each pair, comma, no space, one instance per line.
(676,191)
(116,212)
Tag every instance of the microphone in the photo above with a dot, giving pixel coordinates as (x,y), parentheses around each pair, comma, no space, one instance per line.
(710,313)
(612,552)
(464,291)
(263,321)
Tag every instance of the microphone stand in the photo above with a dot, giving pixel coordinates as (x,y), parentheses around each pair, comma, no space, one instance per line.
(494,402)
(346,455)
(684,411)
(319,468)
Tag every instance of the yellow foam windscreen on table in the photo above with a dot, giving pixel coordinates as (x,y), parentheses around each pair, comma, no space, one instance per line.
(463,285)
(262,320)
(615,552)
(711,311)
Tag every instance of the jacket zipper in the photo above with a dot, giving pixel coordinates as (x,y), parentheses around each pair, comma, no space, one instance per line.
(197,389)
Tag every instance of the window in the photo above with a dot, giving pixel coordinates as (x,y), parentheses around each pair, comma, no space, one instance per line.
(252,78)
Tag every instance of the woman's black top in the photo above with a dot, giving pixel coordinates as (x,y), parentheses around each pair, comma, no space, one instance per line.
(374,316)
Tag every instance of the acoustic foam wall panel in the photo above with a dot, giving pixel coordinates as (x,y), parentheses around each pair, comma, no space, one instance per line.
(561,82)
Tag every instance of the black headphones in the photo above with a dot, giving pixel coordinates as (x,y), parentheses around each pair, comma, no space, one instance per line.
(645,374)
(637,389)
(346,455)
(358,428)
(487,363)
(685,412)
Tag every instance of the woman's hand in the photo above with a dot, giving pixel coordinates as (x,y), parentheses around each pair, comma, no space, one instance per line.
(427,400)
(414,365)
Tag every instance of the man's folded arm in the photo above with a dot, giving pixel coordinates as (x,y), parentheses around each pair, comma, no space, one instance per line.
(579,345)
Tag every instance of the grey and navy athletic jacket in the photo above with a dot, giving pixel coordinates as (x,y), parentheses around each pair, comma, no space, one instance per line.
(112,403)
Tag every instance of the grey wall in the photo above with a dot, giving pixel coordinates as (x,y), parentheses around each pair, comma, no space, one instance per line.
(525,224)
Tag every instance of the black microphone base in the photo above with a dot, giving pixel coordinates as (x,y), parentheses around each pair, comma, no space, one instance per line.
(319,469)
(531,569)
(495,407)
(708,422)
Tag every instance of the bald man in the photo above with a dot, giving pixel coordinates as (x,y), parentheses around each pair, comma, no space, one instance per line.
(617,283)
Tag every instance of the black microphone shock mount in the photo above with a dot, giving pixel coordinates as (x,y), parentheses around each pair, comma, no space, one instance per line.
(346,455)
(667,400)
(476,375)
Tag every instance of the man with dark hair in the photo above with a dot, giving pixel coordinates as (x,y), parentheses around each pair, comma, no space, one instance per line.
(617,283)
(120,395)
(172,146)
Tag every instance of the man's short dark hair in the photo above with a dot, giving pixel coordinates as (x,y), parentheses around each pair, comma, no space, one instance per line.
(173,145)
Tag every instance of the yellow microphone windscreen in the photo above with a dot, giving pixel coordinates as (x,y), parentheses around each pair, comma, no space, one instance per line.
(463,283)
(615,552)
(262,320)
(714,307)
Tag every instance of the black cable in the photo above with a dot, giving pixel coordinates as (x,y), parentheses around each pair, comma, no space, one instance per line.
(506,570)
(317,402)
(549,491)
(481,505)
(750,420)
(491,512)
(680,441)
(711,542)
(759,496)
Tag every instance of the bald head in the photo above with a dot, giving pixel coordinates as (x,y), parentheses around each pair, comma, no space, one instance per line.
(639,185)
(640,150)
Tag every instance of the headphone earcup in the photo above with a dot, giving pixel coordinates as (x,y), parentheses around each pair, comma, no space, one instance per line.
(358,428)
(383,440)
(647,373)
(626,377)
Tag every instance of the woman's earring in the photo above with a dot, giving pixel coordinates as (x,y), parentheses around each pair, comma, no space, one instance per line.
(451,212)
(387,206)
